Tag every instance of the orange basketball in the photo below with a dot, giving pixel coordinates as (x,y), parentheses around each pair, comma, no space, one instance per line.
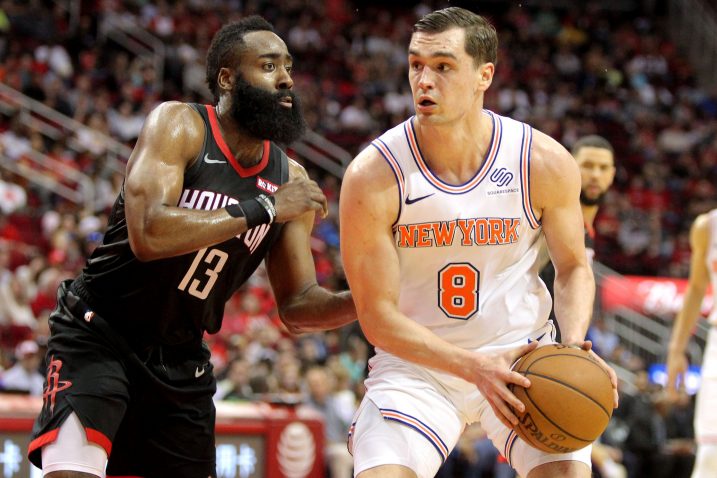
(569,401)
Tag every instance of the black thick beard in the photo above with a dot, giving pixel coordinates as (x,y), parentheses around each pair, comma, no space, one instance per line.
(586,201)
(259,113)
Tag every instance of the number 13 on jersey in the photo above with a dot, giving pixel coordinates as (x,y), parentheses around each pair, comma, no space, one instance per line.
(458,286)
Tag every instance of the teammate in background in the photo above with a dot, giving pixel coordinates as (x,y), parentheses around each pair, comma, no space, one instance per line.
(208,196)
(441,220)
(703,270)
(596,159)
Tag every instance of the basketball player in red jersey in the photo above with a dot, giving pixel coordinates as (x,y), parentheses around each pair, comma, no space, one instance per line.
(208,196)
(442,218)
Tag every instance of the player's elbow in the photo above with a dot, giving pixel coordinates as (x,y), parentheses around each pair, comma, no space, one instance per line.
(142,248)
(294,324)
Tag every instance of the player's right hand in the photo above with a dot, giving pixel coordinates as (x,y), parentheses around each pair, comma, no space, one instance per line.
(493,378)
(297,197)
(676,368)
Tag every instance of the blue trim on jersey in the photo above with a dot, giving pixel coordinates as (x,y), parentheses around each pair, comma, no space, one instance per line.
(485,166)
(397,174)
(525,182)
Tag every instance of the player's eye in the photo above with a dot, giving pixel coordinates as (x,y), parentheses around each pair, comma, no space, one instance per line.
(269,66)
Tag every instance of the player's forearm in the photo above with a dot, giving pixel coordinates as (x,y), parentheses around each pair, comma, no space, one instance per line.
(686,319)
(574,296)
(174,231)
(317,309)
(396,334)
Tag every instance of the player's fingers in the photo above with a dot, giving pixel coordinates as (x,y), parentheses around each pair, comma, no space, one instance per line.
(587,345)
(518,352)
(503,413)
(613,377)
(518,379)
(325,205)
(507,397)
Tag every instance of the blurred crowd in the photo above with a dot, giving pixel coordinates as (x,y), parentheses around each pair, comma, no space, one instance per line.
(568,72)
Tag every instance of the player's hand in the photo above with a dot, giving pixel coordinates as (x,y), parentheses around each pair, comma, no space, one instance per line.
(493,377)
(676,368)
(587,345)
(297,197)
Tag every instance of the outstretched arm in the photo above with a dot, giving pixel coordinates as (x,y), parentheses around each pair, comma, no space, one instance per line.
(304,306)
(368,208)
(690,312)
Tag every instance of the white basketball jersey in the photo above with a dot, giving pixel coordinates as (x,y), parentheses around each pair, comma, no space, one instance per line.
(468,253)
(712,263)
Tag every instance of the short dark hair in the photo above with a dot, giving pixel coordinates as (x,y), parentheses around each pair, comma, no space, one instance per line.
(591,141)
(481,38)
(222,52)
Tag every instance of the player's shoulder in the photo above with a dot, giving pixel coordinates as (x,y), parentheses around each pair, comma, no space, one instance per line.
(175,117)
(548,152)
(176,110)
(368,165)
(296,170)
(702,221)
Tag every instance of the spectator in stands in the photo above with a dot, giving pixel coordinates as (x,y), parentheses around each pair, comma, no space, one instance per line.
(703,240)
(236,385)
(208,195)
(15,307)
(337,407)
(24,376)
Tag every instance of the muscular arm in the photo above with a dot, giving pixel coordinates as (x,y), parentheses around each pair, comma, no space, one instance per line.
(369,206)
(690,312)
(171,138)
(555,192)
(304,306)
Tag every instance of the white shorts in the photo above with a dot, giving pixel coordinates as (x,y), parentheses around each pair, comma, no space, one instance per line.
(705,410)
(413,416)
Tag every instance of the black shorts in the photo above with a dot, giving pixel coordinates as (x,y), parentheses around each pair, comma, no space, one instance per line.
(153,415)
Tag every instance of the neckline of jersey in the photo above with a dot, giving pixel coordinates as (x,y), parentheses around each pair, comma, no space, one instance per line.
(219,138)
(482,172)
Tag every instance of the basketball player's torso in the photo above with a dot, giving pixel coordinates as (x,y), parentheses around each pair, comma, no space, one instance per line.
(468,253)
(178,298)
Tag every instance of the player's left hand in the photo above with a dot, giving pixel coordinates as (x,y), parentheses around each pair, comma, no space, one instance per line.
(587,345)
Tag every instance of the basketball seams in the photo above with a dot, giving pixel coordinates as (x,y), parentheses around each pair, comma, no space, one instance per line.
(575,355)
(566,385)
(558,427)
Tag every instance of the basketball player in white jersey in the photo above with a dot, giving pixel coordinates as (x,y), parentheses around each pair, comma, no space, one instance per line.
(703,269)
(440,221)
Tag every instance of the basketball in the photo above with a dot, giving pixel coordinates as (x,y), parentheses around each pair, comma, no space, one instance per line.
(569,402)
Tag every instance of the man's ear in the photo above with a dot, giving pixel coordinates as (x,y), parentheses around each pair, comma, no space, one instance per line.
(225,79)
(485,75)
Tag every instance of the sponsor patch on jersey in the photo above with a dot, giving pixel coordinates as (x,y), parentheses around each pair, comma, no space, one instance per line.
(265,185)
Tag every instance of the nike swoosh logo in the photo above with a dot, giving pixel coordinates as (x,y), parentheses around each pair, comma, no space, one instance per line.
(212,161)
(199,372)
(420,198)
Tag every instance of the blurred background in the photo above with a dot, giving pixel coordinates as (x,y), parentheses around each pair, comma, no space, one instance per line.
(78,77)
